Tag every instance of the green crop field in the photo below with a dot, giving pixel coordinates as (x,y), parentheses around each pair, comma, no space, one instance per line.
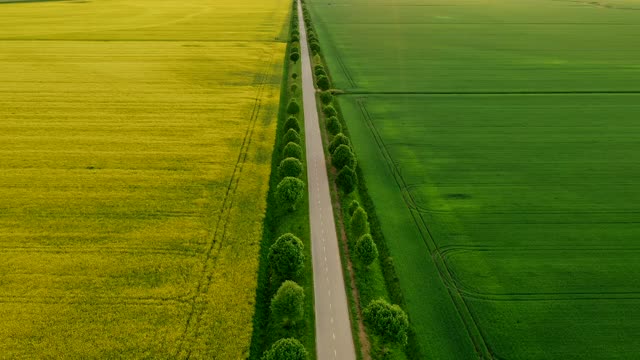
(500,142)
(135,149)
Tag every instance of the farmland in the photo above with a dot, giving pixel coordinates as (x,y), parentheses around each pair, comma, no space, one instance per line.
(499,141)
(135,149)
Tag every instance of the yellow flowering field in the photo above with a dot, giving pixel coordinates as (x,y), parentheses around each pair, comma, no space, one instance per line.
(135,147)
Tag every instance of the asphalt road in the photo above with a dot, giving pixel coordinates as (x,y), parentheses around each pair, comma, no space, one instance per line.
(333,328)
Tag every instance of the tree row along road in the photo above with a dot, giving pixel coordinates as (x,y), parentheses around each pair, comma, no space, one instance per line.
(333,327)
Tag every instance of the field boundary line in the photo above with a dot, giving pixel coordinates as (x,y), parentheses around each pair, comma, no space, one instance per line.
(473,331)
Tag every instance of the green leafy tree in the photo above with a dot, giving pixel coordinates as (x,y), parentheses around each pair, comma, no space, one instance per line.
(343,156)
(347,180)
(388,321)
(333,125)
(286,257)
(359,223)
(366,249)
(293,108)
(294,56)
(289,192)
(323,83)
(287,304)
(292,150)
(291,136)
(315,47)
(326,97)
(339,139)
(318,68)
(353,207)
(321,73)
(286,349)
(290,167)
(294,75)
(329,111)
(295,38)
(292,123)
(294,49)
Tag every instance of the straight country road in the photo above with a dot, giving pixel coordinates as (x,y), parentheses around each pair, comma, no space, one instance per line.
(333,326)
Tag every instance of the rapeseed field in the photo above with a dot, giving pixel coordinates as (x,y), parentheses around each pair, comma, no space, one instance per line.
(135,147)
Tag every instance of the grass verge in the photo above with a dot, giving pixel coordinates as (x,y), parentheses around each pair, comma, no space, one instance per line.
(279,221)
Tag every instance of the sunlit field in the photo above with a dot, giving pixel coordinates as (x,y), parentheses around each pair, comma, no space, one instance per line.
(135,147)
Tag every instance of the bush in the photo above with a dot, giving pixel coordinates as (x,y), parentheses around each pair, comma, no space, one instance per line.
(323,83)
(388,321)
(329,111)
(292,150)
(294,57)
(353,207)
(295,38)
(292,123)
(286,349)
(291,136)
(366,249)
(347,180)
(294,49)
(359,223)
(288,303)
(326,97)
(317,68)
(289,192)
(294,76)
(339,139)
(290,167)
(343,156)
(333,125)
(293,108)
(294,89)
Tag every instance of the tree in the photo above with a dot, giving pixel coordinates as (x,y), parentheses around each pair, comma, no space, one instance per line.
(292,123)
(318,68)
(388,321)
(291,136)
(294,57)
(289,192)
(286,349)
(288,303)
(353,207)
(366,249)
(326,97)
(321,73)
(343,156)
(323,83)
(329,111)
(359,223)
(315,46)
(294,49)
(347,180)
(292,150)
(295,38)
(293,108)
(333,125)
(286,256)
(340,139)
(294,75)
(290,167)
